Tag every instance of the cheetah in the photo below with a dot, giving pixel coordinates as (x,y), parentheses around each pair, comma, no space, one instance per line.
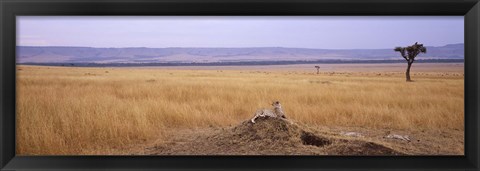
(277,112)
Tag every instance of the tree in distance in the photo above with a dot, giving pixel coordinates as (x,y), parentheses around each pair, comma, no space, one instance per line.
(409,53)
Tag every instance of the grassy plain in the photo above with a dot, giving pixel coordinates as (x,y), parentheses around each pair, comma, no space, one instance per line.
(72,111)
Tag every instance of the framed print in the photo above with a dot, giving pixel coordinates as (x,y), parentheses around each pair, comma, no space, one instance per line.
(232,85)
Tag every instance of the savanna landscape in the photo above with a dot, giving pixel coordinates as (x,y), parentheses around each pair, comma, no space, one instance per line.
(344,109)
(240,85)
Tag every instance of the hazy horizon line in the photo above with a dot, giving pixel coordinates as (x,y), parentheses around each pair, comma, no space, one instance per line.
(237,47)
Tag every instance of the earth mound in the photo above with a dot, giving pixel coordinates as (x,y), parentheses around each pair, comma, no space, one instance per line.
(274,136)
(268,136)
(277,131)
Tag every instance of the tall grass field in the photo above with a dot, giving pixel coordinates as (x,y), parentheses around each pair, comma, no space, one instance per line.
(80,110)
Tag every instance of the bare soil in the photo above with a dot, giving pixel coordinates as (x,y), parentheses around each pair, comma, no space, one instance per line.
(271,136)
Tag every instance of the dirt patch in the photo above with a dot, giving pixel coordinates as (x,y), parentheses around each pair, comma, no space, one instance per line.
(362,148)
(268,136)
(312,139)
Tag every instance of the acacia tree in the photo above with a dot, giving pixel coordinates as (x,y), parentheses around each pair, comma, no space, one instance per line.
(318,69)
(409,53)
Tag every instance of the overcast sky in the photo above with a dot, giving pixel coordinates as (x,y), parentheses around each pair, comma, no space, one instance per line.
(227,31)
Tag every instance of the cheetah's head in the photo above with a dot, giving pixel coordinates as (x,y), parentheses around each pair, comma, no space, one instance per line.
(276,104)
(278,109)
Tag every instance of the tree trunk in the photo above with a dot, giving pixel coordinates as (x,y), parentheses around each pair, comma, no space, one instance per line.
(408,71)
(318,71)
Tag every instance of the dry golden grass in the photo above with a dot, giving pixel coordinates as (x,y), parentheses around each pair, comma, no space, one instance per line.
(71,111)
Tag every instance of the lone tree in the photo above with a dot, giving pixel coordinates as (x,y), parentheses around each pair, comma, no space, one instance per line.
(318,69)
(409,53)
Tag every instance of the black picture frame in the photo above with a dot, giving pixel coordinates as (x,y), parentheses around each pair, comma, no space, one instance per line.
(9,9)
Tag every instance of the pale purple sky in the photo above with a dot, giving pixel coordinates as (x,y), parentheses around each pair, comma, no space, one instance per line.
(324,32)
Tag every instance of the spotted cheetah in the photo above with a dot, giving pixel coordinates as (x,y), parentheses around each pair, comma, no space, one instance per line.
(276,112)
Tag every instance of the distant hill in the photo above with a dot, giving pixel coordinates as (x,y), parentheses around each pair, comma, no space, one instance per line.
(30,54)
